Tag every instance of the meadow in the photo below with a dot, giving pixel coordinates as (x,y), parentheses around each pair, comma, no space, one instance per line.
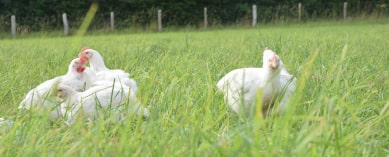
(340,107)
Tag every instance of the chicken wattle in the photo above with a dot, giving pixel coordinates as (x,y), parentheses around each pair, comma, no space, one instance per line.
(97,64)
(42,96)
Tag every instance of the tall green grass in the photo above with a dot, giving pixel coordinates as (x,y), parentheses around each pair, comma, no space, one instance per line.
(340,107)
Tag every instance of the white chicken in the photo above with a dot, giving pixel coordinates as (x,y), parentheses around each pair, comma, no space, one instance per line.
(42,95)
(240,86)
(97,65)
(105,96)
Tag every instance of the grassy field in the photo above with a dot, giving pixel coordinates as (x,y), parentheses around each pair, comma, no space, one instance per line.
(340,107)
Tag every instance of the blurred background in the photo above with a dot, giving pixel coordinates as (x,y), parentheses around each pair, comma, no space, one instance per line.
(141,15)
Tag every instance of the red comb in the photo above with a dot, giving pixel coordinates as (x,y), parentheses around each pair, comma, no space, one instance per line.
(266,48)
(85,48)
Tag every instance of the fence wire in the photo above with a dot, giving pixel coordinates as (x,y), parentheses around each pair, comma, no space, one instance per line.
(192,15)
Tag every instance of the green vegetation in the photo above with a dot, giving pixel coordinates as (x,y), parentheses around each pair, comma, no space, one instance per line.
(340,107)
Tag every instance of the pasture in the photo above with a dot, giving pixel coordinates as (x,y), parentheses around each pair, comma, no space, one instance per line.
(340,107)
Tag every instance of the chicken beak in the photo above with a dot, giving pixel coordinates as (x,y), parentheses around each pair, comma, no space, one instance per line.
(274,64)
(59,95)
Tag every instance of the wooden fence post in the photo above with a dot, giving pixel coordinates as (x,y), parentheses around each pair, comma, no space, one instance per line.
(205,17)
(159,20)
(112,21)
(299,7)
(65,24)
(254,15)
(345,11)
(13,26)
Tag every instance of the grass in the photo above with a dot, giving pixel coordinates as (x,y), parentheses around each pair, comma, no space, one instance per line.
(340,107)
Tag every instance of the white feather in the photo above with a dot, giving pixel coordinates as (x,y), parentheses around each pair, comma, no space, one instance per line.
(115,98)
(97,64)
(43,97)
(240,86)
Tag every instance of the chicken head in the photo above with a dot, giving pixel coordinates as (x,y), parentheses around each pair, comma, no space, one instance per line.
(270,59)
(77,65)
(64,92)
(85,55)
